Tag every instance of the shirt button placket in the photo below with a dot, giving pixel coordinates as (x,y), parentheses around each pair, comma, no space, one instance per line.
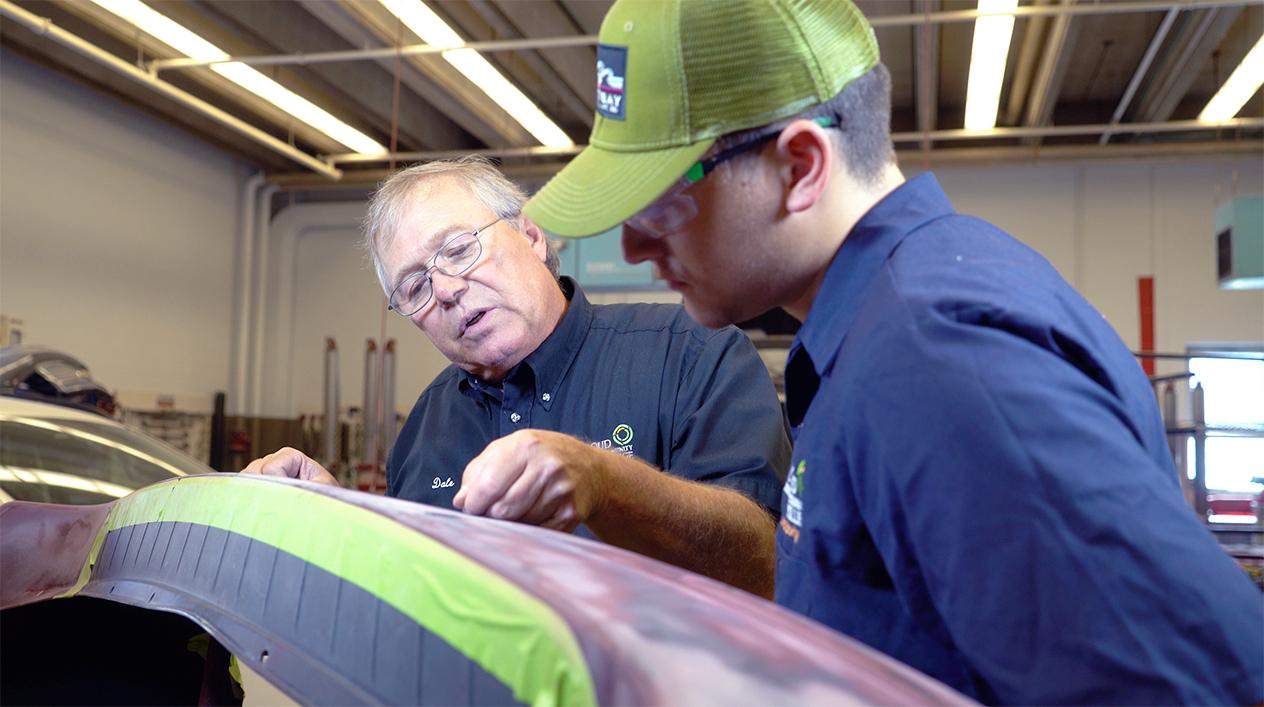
(515,417)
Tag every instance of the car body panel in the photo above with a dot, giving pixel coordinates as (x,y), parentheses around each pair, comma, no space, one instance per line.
(340,596)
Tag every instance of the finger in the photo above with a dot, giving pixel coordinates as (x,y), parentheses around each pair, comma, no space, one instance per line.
(564,520)
(521,497)
(312,471)
(488,476)
(269,465)
(286,461)
(551,500)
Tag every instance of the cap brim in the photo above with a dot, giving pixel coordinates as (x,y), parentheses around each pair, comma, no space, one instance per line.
(601,189)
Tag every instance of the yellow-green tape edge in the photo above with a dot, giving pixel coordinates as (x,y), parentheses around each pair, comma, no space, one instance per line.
(510,633)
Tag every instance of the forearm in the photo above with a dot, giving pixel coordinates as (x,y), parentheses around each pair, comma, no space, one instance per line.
(707,529)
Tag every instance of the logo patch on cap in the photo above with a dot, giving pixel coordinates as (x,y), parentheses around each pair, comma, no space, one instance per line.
(612,64)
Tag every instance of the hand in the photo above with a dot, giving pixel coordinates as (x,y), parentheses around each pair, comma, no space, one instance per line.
(538,477)
(291,463)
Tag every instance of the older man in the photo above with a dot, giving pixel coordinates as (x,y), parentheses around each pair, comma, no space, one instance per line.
(981,484)
(558,412)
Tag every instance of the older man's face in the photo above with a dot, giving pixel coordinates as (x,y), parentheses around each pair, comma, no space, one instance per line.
(493,315)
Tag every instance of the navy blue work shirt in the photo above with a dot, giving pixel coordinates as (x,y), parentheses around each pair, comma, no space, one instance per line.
(641,380)
(981,486)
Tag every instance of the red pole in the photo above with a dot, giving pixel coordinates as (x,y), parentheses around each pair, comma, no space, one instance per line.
(1145,299)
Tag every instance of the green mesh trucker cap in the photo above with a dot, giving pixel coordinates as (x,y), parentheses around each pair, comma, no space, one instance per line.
(674,75)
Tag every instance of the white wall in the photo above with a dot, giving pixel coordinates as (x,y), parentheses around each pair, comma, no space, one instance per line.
(116,234)
(321,285)
(1103,225)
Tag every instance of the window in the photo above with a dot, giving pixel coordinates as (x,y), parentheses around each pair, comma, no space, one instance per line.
(1233,403)
(72,461)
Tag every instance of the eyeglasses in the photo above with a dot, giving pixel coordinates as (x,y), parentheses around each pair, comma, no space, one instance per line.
(670,212)
(455,256)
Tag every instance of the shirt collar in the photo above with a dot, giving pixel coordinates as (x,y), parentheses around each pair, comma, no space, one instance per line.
(863,253)
(553,357)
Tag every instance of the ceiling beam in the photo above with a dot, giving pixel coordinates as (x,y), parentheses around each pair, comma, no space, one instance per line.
(430,77)
(575,64)
(1175,126)
(1113,8)
(1025,68)
(304,58)
(1059,45)
(363,89)
(926,59)
(1188,48)
(534,76)
(539,170)
(1041,131)
(136,45)
(46,28)
(1142,68)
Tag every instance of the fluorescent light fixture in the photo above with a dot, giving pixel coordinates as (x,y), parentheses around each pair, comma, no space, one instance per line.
(987,63)
(423,21)
(1238,89)
(179,38)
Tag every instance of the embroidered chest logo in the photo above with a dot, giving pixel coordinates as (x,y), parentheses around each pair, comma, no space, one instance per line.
(619,441)
(612,65)
(442,483)
(792,501)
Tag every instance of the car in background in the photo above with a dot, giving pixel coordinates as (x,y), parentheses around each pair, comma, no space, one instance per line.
(53,453)
(58,442)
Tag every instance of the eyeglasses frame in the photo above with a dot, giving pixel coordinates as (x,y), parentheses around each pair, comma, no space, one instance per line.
(700,169)
(434,265)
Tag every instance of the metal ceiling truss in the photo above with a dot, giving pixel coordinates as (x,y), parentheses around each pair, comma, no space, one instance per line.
(362,23)
(926,59)
(1058,47)
(44,27)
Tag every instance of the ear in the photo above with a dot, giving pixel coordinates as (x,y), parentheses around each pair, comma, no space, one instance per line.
(535,237)
(806,156)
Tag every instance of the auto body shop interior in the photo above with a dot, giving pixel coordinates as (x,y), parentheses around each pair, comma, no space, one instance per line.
(631,352)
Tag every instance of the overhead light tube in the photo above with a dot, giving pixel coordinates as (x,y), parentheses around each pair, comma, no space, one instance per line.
(988,54)
(432,30)
(1238,88)
(181,39)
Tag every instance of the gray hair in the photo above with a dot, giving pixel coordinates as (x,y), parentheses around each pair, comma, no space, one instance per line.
(864,112)
(485,182)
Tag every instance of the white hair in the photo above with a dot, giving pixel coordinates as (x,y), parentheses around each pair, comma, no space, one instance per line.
(485,182)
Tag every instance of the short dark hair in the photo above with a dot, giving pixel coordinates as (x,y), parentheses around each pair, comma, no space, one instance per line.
(863,110)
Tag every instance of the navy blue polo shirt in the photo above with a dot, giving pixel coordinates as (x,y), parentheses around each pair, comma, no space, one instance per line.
(641,380)
(981,486)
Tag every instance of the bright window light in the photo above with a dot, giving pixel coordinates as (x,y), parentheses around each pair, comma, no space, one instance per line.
(1233,390)
(1238,89)
(1233,396)
(423,21)
(987,63)
(1232,463)
(163,29)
